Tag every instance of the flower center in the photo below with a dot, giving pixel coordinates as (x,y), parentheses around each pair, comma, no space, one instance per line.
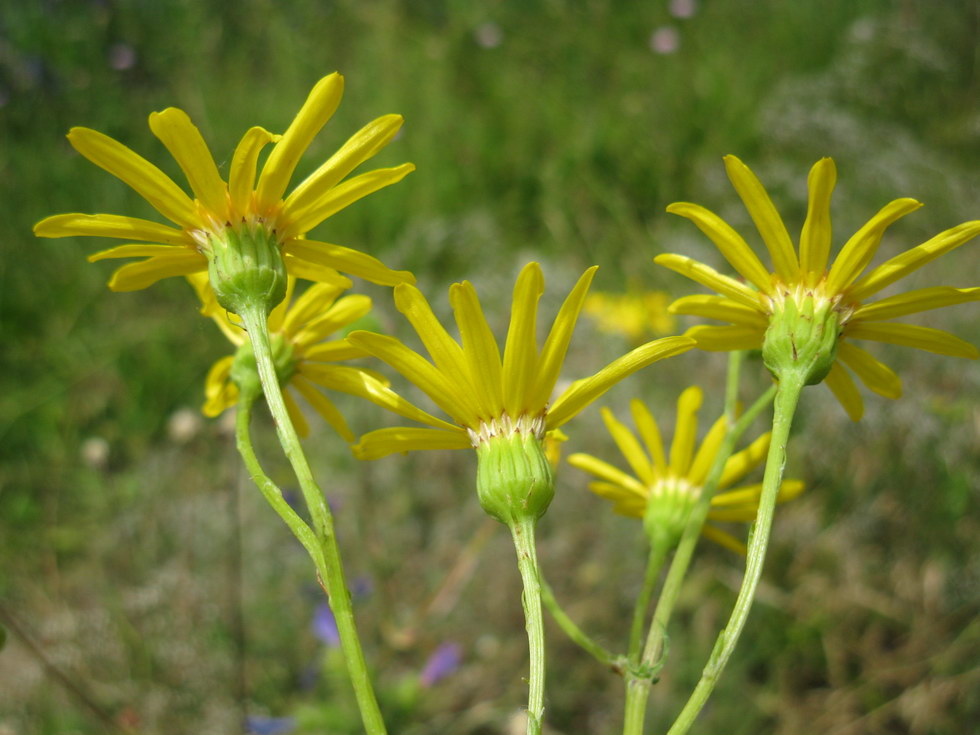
(505,426)
(669,506)
(801,294)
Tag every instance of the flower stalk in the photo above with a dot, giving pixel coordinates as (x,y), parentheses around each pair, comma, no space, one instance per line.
(331,570)
(639,681)
(522,530)
(787,397)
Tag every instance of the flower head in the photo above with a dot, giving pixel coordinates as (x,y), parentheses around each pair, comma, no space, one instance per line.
(324,626)
(487,394)
(664,487)
(499,404)
(805,310)
(304,355)
(223,215)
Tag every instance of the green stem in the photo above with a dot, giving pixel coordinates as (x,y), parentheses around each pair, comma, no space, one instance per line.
(270,491)
(638,687)
(655,563)
(527,562)
(787,398)
(331,572)
(575,633)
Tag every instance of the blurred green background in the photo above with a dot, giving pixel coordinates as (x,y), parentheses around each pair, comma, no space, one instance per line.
(144,585)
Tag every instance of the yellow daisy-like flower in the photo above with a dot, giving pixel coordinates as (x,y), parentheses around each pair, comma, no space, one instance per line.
(634,314)
(240,204)
(486,394)
(664,488)
(304,356)
(841,289)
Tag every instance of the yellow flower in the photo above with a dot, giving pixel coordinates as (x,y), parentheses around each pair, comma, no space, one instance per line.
(485,394)
(635,314)
(839,290)
(664,489)
(302,352)
(239,204)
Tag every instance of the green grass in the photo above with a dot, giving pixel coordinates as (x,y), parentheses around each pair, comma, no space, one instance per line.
(563,143)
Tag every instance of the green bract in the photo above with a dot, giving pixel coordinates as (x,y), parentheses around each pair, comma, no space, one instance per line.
(514,479)
(802,337)
(245,267)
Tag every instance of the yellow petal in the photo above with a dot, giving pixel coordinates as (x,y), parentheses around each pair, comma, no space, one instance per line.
(685,431)
(723,538)
(910,335)
(145,178)
(334,351)
(630,447)
(216,388)
(705,457)
(136,250)
(742,503)
(816,236)
(241,181)
(323,406)
(710,278)
(344,259)
(479,348)
(145,273)
(582,392)
(419,371)
(364,144)
(278,313)
(310,271)
(343,313)
(109,225)
(447,355)
(182,138)
(646,425)
(732,246)
(877,376)
(362,383)
(403,439)
(313,115)
(520,349)
(922,299)
(295,414)
(766,218)
(302,220)
(861,248)
(626,503)
(722,308)
(605,471)
(722,339)
(901,265)
(556,345)
(741,463)
(842,386)
(313,302)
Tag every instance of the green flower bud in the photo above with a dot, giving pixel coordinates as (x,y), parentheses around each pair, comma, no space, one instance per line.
(668,509)
(245,371)
(802,338)
(245,266)
(514,479)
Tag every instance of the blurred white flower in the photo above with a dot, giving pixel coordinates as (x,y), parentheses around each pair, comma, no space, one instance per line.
(665,40)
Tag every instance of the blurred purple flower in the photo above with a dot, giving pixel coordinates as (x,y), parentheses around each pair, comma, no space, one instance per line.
(261,725)
(443,662)
(325,626)
(362,586)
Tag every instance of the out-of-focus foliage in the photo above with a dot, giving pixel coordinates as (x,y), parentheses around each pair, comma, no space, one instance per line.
(552,130)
